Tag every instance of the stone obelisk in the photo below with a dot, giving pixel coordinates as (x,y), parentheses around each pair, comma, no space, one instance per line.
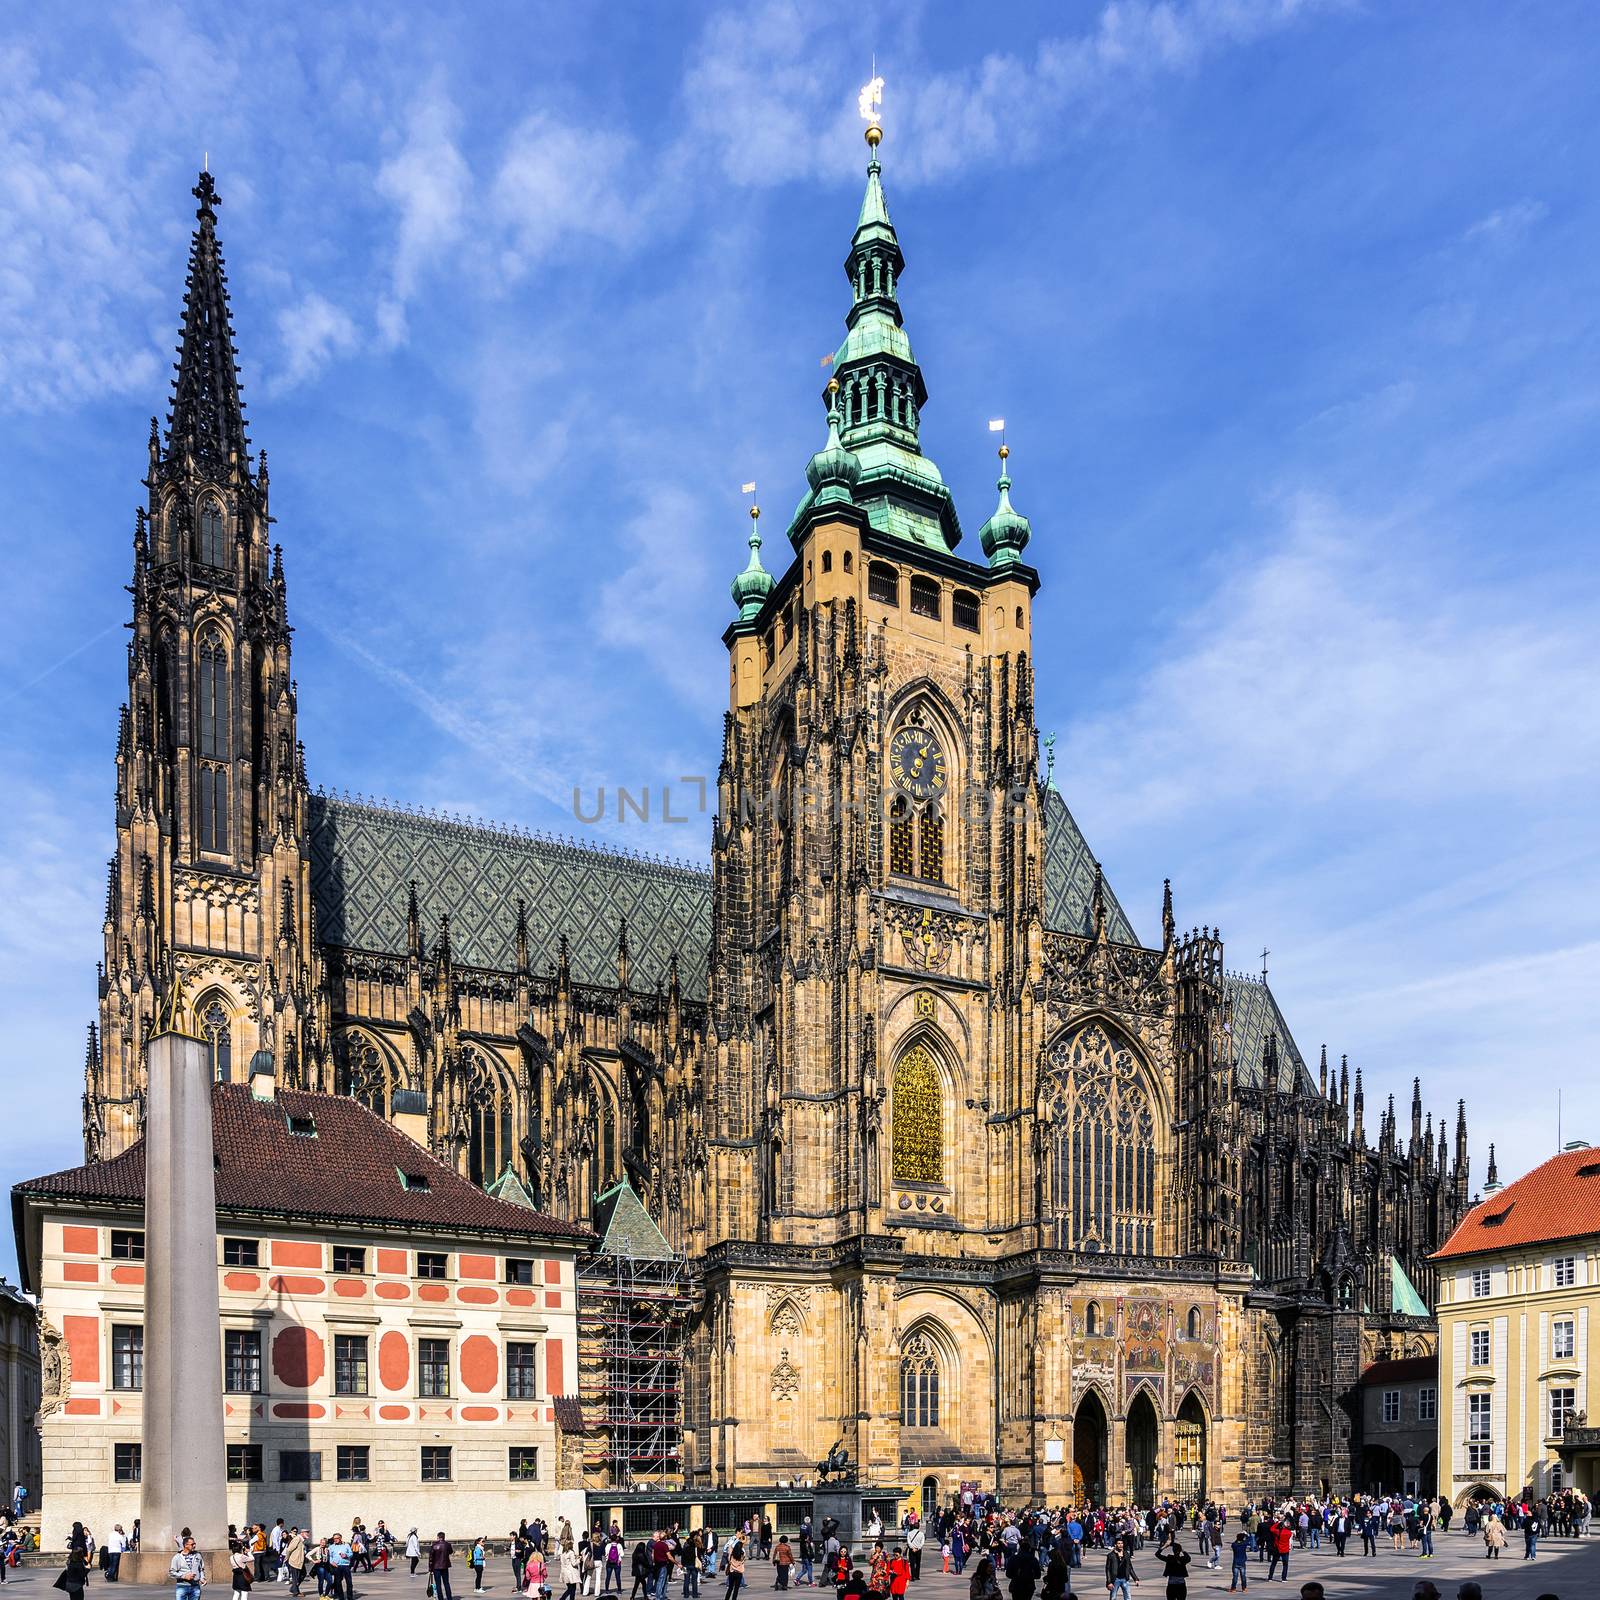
(184,1469)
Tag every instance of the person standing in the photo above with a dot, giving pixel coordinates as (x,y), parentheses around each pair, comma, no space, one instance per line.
(1239,1578)
(439,1553)
(782,1560)
(1119,1570)
(341,1558)
(19,1500)
(116,1543)
(294,1559)
(475,1559)
(916,1538)
(735,1570)
(188,1571)
(613,1579)
(1175,1567)
(413,1550)
(1280,1540)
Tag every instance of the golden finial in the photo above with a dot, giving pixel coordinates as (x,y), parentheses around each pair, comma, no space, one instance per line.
(833,386)
(1005,450)
(870,104)
(173,1017)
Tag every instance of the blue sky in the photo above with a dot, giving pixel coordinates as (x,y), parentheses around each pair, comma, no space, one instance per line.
(1290,307)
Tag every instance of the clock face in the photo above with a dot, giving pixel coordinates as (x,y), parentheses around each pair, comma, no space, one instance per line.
(916,763)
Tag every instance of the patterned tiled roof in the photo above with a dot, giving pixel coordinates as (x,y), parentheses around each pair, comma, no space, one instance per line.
(1559,1199)
(625,1227)
(347,1170)
(1069,878)
(363,855)
(1255,1017)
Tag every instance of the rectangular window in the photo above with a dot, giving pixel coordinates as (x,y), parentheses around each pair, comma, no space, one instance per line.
(127,1356)
(349,1258)
(241,1360)
(1563,1406)
(1480,1458)
(1563,1339)
(127,1463)
(1479,1338)
(519,1269)
(1565,1271)
(1391,1405)
(436,1463)
(349,1363)
(127,1244)
(1480,1415)
(299,1466)
(524,1461)
(522,1372)
(241,1253)
(433,1368)
(1427,1405)
(352,1463)
(432,1264)
(883,584)
(1482,1282)
(925,598)
(964,610)
(244,1463)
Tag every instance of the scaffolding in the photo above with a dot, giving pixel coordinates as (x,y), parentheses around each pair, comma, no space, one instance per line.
(633,1303)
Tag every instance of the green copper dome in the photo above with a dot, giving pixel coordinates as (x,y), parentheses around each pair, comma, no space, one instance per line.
(833,472)
(1006,534)
(751,588)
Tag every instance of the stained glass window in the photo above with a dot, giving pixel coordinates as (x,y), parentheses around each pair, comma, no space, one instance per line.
(919,1384)
(917,1128)
(1102,1180)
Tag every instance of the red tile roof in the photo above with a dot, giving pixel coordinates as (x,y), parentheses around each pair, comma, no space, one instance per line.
(348,1172)
(1403,1369)
(1558,1200)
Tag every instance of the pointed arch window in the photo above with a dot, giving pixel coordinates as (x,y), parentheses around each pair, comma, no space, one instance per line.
(1102,1168)
(919,1383)
(211,695)
(359,1071)
(917,1119)
(209,536)
(213,800)
(217,1030)
(488,1121)
(930,844)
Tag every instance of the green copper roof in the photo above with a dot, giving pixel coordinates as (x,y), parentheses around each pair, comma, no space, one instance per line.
(1403,1294)
(1006,534)
(752,586)
(363,856)
(873,220)
(625,1227)
(510,1188)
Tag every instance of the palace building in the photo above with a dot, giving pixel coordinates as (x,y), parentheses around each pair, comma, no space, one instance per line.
(964,1170)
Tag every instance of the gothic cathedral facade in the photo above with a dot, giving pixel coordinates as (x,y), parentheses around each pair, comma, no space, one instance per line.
(966,1173)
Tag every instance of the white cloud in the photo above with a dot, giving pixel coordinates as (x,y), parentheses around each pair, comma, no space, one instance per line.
(429,183)
(313,331)
(559,183)
(1507,224)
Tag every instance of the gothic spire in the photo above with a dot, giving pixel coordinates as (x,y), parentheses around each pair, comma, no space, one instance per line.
(1169,923)
(1492,1181)
(207,415)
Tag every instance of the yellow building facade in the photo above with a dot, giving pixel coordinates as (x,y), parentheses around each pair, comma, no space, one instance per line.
(1519,1291)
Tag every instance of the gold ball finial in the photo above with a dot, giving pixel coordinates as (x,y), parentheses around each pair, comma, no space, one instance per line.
(755,513)
(1005,450)
(874,135)
(833,386)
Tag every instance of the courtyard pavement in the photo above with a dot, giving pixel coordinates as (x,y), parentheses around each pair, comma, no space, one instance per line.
(1566,1568)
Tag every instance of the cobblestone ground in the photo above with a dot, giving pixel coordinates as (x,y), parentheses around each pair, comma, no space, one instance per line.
(1565,1568)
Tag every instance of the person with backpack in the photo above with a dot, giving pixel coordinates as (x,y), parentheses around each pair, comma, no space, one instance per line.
(1239,1578)
(476,1559)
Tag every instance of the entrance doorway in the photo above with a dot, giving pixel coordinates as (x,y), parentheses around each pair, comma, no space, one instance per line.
(1189,1449)
(930,1497)
(1090,1433)
(1141,1434)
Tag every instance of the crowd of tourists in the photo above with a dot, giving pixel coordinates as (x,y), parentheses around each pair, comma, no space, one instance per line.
(1031,1552)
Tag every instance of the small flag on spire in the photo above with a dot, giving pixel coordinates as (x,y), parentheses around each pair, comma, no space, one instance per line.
(747,488)
(827,360)
(997,425)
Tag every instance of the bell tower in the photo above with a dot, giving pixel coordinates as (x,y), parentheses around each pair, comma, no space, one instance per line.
(208,900)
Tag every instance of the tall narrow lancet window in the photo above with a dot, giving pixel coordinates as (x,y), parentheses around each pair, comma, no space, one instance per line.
(210,542)
(919,1384)
(1103,1158)
(930,844)
(902,835)
(917,1125)
(211,787)
(216,1030)
(212,727)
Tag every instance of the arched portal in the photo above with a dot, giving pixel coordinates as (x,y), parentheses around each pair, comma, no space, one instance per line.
(1189,1449)
(1141,1433)
(1090,1433)
(930,1497)
(1381,1471)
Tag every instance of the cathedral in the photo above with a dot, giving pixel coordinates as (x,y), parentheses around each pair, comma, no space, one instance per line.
(965,1172)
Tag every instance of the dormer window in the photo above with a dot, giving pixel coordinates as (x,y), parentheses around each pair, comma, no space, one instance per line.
(417,1182)
(303,1127)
